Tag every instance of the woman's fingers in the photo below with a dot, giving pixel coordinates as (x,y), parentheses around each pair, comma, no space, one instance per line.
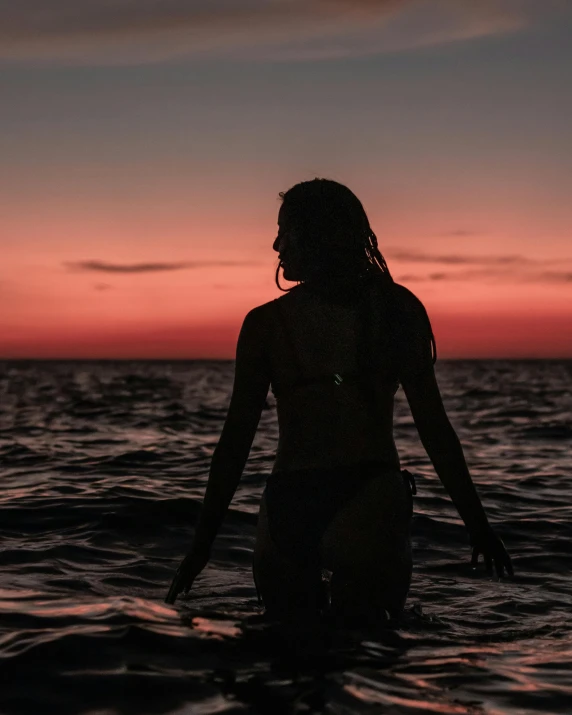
(501,560)
(178,584)
(185,576)
(185,581)
(488,563)
(173,590)
(507,563)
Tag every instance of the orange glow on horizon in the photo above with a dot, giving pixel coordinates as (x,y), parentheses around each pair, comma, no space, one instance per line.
(458,336)
(68,291)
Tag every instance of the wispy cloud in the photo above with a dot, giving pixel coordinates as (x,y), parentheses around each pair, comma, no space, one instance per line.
(152,30)
(489,268)
(459,259)
(469,275)
(491,276)
(104,267)
(460,233)
(553,277)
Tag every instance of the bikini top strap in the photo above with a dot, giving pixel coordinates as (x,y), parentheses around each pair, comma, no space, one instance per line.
(284,322)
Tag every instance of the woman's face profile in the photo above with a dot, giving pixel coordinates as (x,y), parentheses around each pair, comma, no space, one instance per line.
(286,247)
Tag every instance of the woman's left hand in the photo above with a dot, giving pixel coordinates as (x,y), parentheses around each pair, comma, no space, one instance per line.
(193,563)
(487,543)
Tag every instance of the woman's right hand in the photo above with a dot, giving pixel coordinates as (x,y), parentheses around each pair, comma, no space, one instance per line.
(487,543)
(192,565)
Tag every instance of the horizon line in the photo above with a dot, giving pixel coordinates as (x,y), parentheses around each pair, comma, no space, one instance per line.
(565,358)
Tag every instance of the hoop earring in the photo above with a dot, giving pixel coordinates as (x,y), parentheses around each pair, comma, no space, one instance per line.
(277,278)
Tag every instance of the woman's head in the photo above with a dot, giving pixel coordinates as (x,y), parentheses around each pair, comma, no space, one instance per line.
(324,235)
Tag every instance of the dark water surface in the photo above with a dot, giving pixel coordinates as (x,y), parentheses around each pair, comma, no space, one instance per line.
(102,470)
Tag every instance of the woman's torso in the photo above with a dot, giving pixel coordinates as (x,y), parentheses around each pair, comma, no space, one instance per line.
(342,420)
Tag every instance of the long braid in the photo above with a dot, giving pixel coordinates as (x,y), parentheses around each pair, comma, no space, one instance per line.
(378,260)
(374,254)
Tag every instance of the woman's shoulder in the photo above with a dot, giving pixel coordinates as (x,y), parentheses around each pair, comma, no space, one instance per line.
(408,304)
(404,298)
(407,297)
(259,317)
(413,327)
(291,298)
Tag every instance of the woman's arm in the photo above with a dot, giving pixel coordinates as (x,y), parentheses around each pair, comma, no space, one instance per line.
(250,389)
(417,377)
(443,447)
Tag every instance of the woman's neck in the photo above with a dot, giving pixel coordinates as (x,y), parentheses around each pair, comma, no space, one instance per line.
(339,290)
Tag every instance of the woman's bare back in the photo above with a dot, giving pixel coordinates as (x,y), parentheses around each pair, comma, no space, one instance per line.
(329,421)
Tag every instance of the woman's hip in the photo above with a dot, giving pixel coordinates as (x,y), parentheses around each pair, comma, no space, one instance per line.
(311,508)
(376,520)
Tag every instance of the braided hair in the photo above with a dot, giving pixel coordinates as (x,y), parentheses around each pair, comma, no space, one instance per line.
(337,242)
(339,249)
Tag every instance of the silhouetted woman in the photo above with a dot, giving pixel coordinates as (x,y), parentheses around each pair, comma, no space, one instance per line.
(334,349)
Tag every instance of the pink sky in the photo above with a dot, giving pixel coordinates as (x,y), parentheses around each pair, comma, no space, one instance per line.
(139,191)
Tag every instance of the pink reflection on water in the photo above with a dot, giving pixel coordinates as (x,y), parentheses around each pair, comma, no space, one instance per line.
(217,629)
(369,695)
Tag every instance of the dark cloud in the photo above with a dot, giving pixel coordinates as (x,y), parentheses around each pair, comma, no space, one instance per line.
(103,267)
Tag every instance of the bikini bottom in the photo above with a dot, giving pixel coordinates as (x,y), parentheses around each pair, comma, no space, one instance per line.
(301,503)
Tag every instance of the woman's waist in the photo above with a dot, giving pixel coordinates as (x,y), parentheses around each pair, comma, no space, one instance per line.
(293,455)
(328,469)
(294,489)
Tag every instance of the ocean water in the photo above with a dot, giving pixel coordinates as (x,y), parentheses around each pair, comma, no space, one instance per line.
(103,466)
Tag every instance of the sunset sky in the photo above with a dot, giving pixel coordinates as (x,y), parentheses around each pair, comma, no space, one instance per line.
(144,144)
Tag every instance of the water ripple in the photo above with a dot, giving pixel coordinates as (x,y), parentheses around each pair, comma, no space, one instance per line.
(103,469)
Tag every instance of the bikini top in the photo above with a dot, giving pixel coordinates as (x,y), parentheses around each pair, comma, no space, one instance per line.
(303,379)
